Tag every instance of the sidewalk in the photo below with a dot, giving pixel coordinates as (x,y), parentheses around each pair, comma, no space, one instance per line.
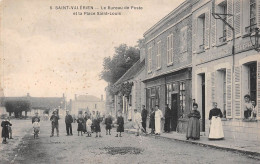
(246,147)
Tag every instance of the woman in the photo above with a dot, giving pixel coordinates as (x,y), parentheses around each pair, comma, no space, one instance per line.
(247,106)
(158,117)
(193,130)
(120,123)
(216,130)
(152,121)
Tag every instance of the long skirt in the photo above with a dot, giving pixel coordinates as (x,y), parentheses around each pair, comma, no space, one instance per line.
(108,126)
(120,128)
(88,128)
(216,130)
(157,125)
(5,132)
(193,130)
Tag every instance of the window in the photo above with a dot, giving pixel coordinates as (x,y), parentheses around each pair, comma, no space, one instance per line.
(222,7)
(182,96)
(252,16)
(158,56)
(201,32)
(252,80)
(149,59)
(170,49)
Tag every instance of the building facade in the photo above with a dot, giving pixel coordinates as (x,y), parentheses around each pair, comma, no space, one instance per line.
(218,75)
(169,65)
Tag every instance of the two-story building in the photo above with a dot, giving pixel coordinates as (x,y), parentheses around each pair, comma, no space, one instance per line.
(168,47)
(218,75)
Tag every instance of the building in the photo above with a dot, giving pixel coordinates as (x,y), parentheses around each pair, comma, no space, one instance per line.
(218,76)
(168,68)
(131,91)
(87,103)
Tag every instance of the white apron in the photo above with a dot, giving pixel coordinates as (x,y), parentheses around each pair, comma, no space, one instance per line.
(216,129)
(158,116)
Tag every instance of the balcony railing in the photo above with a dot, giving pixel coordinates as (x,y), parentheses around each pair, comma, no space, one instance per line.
(251,28)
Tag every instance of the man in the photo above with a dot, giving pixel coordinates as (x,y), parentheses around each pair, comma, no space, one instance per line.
(158,117)
(36,116)
(144,117)
(137,121)
(168,117)
(54,123)
(68,121)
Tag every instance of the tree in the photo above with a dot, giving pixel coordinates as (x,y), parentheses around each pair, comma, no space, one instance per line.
(123,59)
(17,107)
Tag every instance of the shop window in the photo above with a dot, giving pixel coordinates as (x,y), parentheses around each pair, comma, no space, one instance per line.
(182,96)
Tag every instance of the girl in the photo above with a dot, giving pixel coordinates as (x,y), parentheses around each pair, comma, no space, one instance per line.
(96,124)
(120,123)
(5,134)
(88,126)
(80,122)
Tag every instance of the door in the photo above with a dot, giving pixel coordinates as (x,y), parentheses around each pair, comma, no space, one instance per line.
(174,107)
(203,101)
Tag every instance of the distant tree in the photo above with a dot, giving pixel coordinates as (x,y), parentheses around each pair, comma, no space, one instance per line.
(123,59)
(17,107)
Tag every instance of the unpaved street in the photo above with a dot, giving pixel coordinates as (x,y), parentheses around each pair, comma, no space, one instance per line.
(109,149)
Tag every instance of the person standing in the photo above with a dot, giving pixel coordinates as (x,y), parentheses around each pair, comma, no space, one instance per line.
(254,110)
(193,130)
(137,121)
(247,107)
(158,117)
(168,117)
(96,124)
(5,134)
(54,123)
(152,121)
(80,122)
(10,129)
(88,126)
(144,117)
(216,129)
(120,123)
(36,116)
(68,122)
(108,123)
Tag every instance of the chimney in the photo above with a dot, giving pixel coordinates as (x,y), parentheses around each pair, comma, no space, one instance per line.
(75,96)
(102,98)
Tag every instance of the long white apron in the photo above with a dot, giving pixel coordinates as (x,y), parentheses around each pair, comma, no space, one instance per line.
(158,116)
(216,129)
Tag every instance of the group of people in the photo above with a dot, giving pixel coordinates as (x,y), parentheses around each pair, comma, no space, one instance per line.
(215,115)
(250,108)
(6,129)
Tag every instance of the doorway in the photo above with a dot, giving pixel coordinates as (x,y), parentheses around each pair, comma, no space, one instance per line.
(203,100)
(174,107)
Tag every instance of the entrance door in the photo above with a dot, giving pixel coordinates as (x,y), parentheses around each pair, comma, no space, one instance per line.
(203,101)
(174,107)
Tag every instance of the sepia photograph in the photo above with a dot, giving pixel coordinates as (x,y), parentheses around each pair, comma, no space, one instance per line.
(130,81)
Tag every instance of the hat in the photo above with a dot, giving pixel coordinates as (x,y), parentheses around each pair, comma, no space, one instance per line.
(195,104)
(247,96)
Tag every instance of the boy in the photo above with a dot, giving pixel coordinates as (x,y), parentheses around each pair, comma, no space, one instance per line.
(108,122)
(36,127)
(54,123)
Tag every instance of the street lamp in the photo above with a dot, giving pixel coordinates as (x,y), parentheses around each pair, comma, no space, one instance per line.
(254,32)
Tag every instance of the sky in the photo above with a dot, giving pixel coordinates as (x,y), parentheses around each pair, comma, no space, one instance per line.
(48,52)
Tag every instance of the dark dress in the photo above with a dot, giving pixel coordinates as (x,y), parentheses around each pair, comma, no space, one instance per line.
(152,121)
(5,132)
(80,122)
(193,130)
(108,122)
(120,123)
(96,125)
(168,117)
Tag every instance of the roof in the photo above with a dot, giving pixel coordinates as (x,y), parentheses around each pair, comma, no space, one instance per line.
(88,98)
(132,72)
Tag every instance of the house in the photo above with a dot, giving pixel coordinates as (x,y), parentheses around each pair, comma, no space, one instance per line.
(220,75)
(168,67)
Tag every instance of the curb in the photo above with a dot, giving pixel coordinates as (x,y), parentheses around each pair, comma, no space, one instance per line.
(252,154)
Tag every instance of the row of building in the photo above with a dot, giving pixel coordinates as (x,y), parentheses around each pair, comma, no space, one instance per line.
(187,57)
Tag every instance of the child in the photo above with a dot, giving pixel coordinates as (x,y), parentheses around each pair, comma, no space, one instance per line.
(5,133)
(80,122)
(96,124)
(108,122)
(10,129)
(120,123)
(36,127)
(88,126)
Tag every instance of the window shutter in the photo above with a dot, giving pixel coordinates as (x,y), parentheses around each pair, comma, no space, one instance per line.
(194,36)
(213,87)
(237,13)
(229,93)
(258,89)
(213,31)
(229,19)
(258,13)
(207,28)
(237,92)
